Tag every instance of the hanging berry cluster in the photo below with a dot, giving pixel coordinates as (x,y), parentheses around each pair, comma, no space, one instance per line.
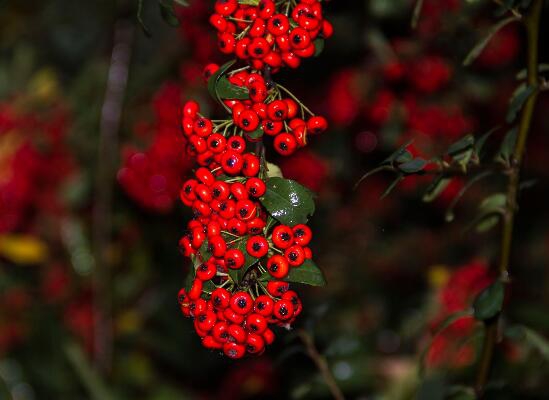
(249,237)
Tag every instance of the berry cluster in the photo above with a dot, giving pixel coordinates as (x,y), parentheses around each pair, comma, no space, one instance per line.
(245,250)
(269,33)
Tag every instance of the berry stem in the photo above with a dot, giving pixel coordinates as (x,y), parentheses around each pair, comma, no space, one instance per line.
(321,364)
(532,25)
(303,106)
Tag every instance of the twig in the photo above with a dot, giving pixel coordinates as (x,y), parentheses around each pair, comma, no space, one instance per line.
(531,22)
(102,213)
(321,364)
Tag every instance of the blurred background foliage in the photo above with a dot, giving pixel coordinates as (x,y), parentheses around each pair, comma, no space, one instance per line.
(395,268)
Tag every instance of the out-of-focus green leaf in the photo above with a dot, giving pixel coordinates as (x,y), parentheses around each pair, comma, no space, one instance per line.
(520,96)
(167,11)
(489,302)
(436,188)
(413,166)
(479,47)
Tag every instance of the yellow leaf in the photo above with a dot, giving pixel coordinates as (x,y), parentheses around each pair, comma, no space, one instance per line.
(23,249)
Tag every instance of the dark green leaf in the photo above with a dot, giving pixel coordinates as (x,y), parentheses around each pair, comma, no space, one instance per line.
(530,337)
(481,141)
(238,274)
(520,96)
(489,302)
(417,13)
(319,46)
(413,166)
(392,186)
(288,202)
(507,146)
(462,145)
(308,274)
(398,153)
(436,188)
(404,157)
(140,18)
(167,12)
(226,90)
(257,134)
(214,79)
(432,388)
(475,52)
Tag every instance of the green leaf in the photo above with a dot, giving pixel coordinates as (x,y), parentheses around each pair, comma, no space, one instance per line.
(392,186)
(461,146)
(475,52)
(507,146)
(214,79)
(398,153)
(249,2)
(489,302)
(226,90)
(237,275)
(441,328)
(530,337)
(481,141)
(404,157)
(167,12)
(308,274)
(319,46)
(255,135)
(413,166)
(524,73)
(417,13)
(520,96)
(140,18)
(288,202)
(183,3)
(432,388)
(436,188)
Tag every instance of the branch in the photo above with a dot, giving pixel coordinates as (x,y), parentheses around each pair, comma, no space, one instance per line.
(106,165)
(321,364)
(532,23)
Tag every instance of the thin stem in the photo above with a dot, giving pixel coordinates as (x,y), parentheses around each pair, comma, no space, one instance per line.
(321,364)
(531,22)
(106,164)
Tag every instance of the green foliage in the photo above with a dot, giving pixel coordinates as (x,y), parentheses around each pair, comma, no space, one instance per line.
(308,274)
(288,202)
(489,302)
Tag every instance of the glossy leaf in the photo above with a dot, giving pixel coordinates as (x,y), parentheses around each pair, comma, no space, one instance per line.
(489,302)
(238,274)
(226,90)
(308,274)
(214,79)
(287,201)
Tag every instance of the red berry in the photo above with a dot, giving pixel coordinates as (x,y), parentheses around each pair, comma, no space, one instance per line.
(241,303)
(283,310)
(278,266)
(234,259)
(257,246)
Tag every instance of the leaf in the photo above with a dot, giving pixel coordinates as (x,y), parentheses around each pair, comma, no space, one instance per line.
(255,135)
(489,302)
(226,90)
(288,202)
(531,337)
(319,46)
(490,211)
(238,274)
(481,141)
(520,96)
(140,18)
(436,188)
(432,388)
(461,146)
(214,79)
(507,146)
(449,320)
(417,13)
(404,157)
(183,3)
(523,72)
(249,2)
(307,273)
(475,52)
(398,153)
(391,187)
(167,12)
(413,166)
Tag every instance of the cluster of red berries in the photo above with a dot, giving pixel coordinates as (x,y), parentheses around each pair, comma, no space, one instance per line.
(270,33)
(243,256)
